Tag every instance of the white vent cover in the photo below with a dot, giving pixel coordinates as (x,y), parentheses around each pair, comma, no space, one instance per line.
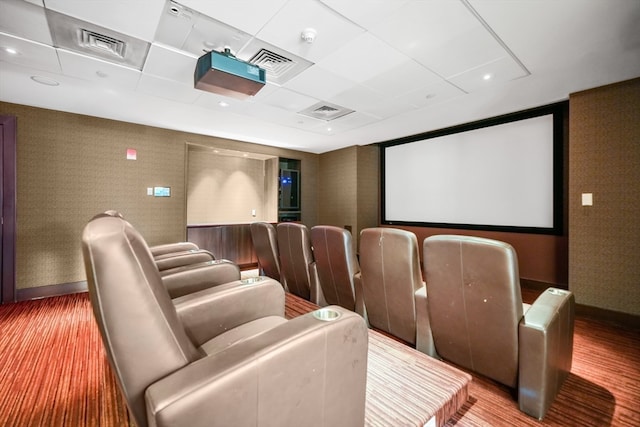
(281,66)
(277,66)
(325,111)
(95,41)
(100,42)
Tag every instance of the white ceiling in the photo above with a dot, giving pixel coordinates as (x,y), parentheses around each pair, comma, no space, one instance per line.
(403,66)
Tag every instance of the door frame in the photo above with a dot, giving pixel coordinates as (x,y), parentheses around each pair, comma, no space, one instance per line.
(8,128)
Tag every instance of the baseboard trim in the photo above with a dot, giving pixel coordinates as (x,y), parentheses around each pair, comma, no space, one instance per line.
(38,292)
(618,318)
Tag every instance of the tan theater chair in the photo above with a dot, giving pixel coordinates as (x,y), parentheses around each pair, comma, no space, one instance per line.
(391,281)
(171,255)
(265,243)
(479,322)
(297,265)
(224,356)
(337,266)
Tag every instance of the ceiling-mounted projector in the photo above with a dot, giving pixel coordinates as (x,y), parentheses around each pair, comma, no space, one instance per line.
(224,74)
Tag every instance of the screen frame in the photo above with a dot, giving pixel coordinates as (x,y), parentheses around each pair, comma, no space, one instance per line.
(559,111)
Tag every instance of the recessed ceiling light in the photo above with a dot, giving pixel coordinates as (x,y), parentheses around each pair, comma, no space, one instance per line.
(223,104)
(328,129)
(11,50)
(487,77)
(45,81)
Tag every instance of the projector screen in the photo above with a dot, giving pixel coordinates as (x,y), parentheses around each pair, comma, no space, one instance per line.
(503,174)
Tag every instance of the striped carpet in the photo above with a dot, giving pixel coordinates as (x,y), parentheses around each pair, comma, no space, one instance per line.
(53,373)
(52,366)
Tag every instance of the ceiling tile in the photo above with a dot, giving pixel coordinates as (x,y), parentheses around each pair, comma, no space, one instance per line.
(247,15)
(24,20)
(431,95)
(168,89)
(102,72)
(365,12)
(29,54)
(357,98)
(209,34)
(169,63)
(387,108)
(352,121)
(487,75)
(319,83)
(135,18)
(363,58)
(405,77)
(285,29)
(289,100)
(442,35)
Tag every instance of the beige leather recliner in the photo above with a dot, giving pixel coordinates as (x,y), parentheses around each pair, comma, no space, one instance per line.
(224,356)
(394,291)
(479,322)
(337,266)
(297,265)
(265,244)
(170,255)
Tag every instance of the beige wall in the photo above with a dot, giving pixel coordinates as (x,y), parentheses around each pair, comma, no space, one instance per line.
(349,187)
(70,167)
(228,189)
(604,239)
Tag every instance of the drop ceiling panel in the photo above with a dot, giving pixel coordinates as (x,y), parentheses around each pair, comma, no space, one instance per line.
(247,15)
(164,61)
(285,28)
(29,54)
(25,20)
(168,89)
(319,83)
(358,98)
(95,70)
(388,108)
(405,77)
(135,18)
(354,120)
(289,100)
(432,95)
(208,34)
(363,58)
(365,13)
(487,75)
(442,35)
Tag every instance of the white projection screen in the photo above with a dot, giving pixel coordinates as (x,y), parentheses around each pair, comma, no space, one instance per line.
(502,176)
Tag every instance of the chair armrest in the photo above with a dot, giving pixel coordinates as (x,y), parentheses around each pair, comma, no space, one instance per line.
(315,289)
(210,312)
(424,336)
(545,350)
(304,372)
(179,259)
(168,248)
(192,278)
(358,288)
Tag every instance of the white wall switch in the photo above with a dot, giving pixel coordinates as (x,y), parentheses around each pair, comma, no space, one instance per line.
(587,199)
(149,191)
(253,212)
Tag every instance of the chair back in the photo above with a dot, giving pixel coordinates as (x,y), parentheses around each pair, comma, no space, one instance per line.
(296,256)
(475,303)
(265,243)
(142,335)
(391,274)
(336,263)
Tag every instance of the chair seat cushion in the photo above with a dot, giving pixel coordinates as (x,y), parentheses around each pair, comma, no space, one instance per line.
(241,333)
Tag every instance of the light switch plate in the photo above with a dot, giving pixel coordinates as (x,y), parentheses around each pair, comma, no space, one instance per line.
(587,199)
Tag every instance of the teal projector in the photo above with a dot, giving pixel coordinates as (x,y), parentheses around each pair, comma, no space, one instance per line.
(224,74)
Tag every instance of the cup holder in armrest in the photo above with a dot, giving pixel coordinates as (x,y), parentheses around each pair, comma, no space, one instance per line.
(252,280)
(326,314)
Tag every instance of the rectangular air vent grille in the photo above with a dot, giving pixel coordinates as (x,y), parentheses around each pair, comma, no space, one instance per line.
(101,43)
(325,111)
(277,66)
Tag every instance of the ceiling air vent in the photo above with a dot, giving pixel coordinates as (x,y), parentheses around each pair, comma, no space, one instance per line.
(325,111)
(101,43)
(277,66)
